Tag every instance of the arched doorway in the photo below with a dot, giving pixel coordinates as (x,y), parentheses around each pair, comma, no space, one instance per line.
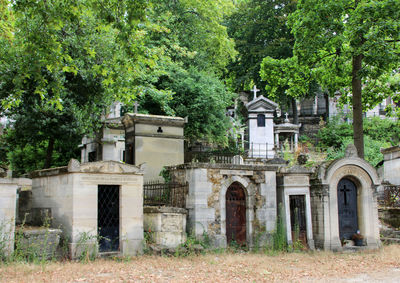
(236,214)
(347,208)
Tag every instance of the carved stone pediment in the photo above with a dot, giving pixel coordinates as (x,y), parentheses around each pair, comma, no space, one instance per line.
(102,167)
(261,104)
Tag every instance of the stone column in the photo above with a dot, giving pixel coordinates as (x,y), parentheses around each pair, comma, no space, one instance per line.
(277,140)
(296,140)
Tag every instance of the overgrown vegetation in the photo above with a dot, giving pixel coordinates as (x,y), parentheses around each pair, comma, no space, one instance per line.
(379,133)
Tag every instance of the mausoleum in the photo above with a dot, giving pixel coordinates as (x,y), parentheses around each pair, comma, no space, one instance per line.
(94,201)
(344,200)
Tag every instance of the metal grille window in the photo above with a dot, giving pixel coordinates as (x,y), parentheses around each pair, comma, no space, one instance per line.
(108,217)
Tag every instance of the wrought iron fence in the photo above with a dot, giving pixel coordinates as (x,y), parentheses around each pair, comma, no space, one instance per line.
(209,156)
(165,194)
(390,196)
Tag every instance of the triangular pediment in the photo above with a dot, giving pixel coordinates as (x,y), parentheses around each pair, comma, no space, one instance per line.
(261,104)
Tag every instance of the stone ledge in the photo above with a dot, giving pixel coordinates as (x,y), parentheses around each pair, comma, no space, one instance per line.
(163,209)
(266,167)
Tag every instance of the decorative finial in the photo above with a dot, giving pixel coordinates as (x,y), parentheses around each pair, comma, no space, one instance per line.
(255,90)
(287,118)
(136,106)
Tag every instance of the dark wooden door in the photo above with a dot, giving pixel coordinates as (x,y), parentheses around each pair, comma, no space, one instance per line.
(298,218)
(236,214)
(347,208)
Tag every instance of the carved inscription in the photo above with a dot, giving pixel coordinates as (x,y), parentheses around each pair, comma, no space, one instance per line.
(236,172)
(296,180)
(104,179)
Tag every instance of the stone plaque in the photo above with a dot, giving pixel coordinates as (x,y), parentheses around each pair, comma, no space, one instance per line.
(237,172)
(296,180)
(104,179)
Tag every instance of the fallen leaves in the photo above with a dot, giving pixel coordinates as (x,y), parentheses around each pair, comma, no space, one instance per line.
(225,267)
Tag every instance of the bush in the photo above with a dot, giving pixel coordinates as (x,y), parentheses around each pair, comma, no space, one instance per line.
(378,133)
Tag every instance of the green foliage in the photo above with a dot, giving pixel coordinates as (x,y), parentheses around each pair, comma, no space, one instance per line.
(351,46)
(379,133)
(194,93)
(86,247)
(259,30)
(279,241)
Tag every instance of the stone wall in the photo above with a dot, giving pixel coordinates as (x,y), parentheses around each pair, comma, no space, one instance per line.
(71,194)
(390,216)
(8,196)
(166,226)
(205,203)
(391,166)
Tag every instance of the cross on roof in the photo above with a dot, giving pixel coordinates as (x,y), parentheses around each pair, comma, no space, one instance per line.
(287,119)
(255,90)
(136,106)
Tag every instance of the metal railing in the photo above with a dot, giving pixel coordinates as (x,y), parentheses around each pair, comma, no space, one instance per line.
(165,194)
(390,197)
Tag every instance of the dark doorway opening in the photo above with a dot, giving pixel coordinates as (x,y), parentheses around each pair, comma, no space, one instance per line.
(236,214)
(298,218)
(347,209)
(108,217)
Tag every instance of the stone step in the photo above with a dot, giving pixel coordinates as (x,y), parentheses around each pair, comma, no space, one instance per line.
(109,254)
(390,240)
(390,233)
(353,249)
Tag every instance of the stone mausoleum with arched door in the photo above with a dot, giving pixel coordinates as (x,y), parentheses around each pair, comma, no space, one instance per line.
(322,206)
(344,201)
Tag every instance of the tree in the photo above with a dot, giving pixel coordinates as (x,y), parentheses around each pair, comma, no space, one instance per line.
(259,30)
(351,45)
(63,65)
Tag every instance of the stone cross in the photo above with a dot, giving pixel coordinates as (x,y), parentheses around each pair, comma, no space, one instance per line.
(136,106)
(255,90)
(286,119)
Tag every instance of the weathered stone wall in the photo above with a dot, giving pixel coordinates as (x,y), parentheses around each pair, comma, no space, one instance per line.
(208,184)
(390,216)
(8,192)
(391,166)
(71,194)
(165,225)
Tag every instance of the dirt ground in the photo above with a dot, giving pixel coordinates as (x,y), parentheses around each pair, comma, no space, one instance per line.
(369,266)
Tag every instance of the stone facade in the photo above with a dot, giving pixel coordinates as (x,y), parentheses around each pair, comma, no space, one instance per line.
(71,193)
(391,170)
(206,202)
(8,200)
(166,225)
(153,142)
(324,201)
(295,181)
(261,127)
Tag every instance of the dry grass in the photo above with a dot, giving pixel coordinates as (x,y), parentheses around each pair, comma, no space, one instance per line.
(226,267)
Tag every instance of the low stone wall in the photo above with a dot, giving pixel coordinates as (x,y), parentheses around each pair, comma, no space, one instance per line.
(38,241)
(165,225)
(390,216)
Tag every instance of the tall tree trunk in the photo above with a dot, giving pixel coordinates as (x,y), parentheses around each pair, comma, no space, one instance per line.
(295,112)
(358,133)
(49,153)
(326,97)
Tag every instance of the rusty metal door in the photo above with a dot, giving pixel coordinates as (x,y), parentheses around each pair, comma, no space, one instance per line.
(347,208)
(236,214)
(298,218)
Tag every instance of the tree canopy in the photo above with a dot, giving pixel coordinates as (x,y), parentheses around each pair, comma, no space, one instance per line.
(352,46)
(62,64)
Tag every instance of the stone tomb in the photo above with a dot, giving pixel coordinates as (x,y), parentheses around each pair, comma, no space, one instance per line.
(8,200)
(344,200)
(229,202)
(294,199)
(154,141)
(94,201)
